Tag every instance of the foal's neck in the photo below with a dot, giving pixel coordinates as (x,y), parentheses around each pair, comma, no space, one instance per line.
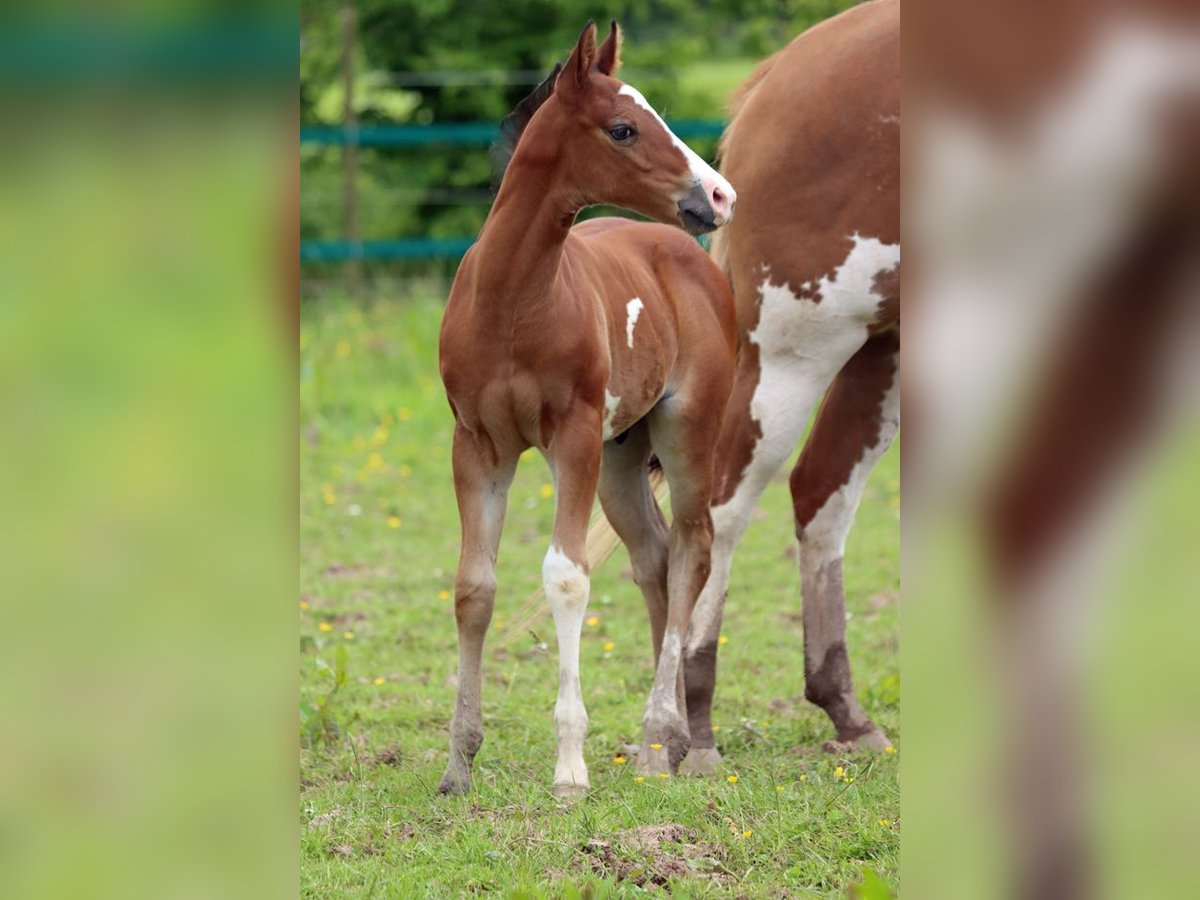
(523,237)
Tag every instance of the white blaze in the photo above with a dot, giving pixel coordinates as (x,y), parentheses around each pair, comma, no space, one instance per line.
(704,173)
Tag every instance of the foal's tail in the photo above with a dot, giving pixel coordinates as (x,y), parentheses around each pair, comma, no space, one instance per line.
(719,249)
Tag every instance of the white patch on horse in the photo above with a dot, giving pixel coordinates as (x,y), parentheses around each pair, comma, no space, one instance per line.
(803,343)
(633,309)
(567,586)
(611,404)
(704,173)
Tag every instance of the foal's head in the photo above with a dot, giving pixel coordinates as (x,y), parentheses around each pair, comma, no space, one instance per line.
(610,146)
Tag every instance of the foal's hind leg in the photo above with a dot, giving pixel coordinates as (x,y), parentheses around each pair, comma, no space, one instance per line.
(631,509)
(683,436)
(481,483)
(854,428)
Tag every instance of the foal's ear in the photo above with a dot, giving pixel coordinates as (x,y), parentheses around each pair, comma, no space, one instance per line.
(574,78)
(607,60)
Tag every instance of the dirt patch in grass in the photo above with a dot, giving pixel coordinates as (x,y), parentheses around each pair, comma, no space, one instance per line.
(654,855)
(391,755)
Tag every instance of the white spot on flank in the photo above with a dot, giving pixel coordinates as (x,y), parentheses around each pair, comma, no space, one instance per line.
(633,309)
(705,174)
(611,404)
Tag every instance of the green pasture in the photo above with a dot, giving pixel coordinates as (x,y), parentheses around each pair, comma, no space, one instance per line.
(379,541)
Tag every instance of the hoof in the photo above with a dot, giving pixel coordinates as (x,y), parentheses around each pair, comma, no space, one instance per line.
(701,761)
(873,740)
(654,760)
(569,793)
(452,785)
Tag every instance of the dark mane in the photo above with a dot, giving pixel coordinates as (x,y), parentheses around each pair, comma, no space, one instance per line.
(514,125)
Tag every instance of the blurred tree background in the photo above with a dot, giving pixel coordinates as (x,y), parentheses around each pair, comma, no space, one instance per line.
(435,62)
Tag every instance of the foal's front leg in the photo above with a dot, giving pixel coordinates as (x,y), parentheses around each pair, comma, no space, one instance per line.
(575,458)
(481,484)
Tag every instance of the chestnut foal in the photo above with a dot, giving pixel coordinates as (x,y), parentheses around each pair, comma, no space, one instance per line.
(597,344)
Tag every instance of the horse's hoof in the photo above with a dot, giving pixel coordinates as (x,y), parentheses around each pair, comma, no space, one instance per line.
(453,785)
(654,759)
(873,740)
(569,793)
(701,761)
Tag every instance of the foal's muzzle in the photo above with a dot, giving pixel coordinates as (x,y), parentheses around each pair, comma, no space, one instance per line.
(707,205)
(695,212)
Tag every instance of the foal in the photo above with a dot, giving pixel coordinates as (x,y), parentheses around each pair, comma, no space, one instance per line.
(596,344)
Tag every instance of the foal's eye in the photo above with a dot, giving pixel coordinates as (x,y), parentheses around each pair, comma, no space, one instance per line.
(622,134)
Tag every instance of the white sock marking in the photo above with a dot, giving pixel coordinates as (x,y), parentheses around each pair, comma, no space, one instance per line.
(567,587)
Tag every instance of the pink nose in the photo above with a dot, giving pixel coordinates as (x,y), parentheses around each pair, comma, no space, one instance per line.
(721,196)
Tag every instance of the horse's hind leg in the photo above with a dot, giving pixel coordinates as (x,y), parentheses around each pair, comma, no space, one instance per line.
(481,483)
(631,509)
(683,434)
(854,428)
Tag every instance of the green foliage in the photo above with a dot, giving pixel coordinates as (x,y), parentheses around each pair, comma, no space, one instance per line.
(685,56)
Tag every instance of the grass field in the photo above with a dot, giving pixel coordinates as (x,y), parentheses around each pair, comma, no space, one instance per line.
(379,542)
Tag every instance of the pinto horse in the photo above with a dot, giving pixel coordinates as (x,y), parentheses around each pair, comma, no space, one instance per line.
(597,344)
(814,255)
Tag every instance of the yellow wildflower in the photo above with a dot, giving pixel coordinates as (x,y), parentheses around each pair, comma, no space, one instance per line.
(664,775)
(640,779)
(375,462)
(546,491)
(304,604)
(885,822)
(747,833)
(889,749)
(443,595)
(732,779)
(618,760)
(803,776)
(722,640)
(840,772)
(379,680)
(593,620)
(394,522)
(608,647)
(325,626)
(716,728)
(779,788)
(656,746)
(328,495)
(348,635)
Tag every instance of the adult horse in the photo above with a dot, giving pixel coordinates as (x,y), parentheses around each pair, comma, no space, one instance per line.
(814,148)
(597,344)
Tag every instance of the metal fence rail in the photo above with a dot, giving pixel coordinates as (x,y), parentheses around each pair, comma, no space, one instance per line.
(456,134)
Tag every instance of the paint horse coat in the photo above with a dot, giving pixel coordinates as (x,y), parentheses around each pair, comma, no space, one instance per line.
(595,344)
(814,148)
